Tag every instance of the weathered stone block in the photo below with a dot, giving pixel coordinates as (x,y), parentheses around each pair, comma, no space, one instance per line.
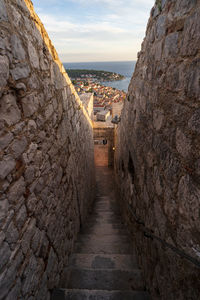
(158,118)
(163,2)
(28,235)
(5,254)
(8,277)
(18,128)
(16,190)
(4,205)
(29,174)
(31,277)
(21,71)
(33,55)
(15,292)
(44,245)
(3,11)
(22,5)
(21,217)
(188,197)
(30,105)
(191,80)
(191,34)
(183,7)
(5,140)
(56,76)
(194,122)
(171,45)
(36,240)
(49,111)
(18,146)
(4,72)
(9,111)
(183,144)
(12,234)
(32,126)
(17,48)
(6,166)
(161,26)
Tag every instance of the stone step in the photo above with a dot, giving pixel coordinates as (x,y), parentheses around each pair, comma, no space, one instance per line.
(98,221)
(106,244)
(106,205)
(103,261)
(106,210)
(90,239)
(103,229)
(106,219)
(104,279)
(105,201)
(76,294)
(99,213)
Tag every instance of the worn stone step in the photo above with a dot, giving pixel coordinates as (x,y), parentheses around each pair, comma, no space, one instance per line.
(106,220)
(106,210)
(98,221)
(103,213)
(104,279)
(76,294)
(103,261)
(105,199)
(102,229)
(107,244)
(105,205)
(102,239)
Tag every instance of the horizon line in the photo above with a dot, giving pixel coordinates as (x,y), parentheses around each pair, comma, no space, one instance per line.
(79,62)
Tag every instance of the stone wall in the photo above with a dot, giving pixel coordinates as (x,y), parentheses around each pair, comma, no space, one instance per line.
(46,157)
(88,99)
(158,150)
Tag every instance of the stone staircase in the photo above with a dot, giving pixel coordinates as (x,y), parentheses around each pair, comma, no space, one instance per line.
(103,265)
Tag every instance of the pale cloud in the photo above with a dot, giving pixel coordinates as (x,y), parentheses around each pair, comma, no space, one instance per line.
(103,30)
(54,25)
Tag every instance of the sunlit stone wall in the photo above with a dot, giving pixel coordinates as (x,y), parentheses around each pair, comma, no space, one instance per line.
(46,157)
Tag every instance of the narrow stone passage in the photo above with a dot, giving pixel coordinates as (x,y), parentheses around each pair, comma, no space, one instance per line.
(103,266)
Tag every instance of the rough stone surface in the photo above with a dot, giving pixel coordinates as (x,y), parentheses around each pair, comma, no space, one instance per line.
(20,72)
(3,11)
(5,140)
(9,111)
(17,48)
(4,72)
(7,164)
(46,164)
(158,146)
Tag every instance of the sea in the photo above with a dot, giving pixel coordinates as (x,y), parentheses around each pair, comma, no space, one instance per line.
(125,68)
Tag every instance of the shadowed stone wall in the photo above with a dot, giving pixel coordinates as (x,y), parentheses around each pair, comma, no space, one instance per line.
(46,157)
(158,151)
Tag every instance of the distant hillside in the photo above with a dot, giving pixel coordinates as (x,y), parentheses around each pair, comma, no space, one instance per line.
(99,75)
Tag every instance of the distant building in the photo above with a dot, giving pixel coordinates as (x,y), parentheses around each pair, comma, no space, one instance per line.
(103,115)
(98,108)
(117,108)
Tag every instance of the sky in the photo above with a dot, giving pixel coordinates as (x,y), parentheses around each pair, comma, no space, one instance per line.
(95,30)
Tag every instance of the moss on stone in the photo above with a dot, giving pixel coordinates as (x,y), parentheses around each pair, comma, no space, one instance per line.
(159,5)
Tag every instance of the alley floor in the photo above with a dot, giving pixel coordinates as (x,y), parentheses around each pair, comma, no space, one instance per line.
(103,265)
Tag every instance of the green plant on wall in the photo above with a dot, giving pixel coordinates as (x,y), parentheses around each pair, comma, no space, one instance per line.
(159,5)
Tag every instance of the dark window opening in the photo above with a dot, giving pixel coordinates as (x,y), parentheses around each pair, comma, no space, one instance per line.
(131,168)
(122,166)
